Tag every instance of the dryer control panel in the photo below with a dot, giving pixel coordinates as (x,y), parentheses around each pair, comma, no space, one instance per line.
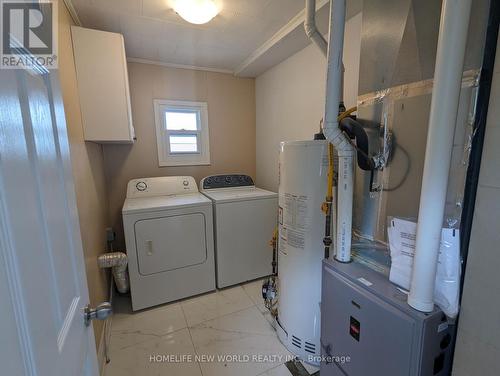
(226,181)
(161,186)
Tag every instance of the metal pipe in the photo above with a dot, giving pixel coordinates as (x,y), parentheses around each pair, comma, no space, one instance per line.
(332,132)
(448,73)
(310,27)
(117,261)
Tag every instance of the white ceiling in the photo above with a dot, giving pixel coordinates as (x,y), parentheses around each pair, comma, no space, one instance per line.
(154,32)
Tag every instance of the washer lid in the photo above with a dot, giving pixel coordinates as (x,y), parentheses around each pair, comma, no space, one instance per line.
(238,194)
(157,203)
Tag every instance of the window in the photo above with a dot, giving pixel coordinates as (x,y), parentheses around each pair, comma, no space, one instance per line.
(182,133)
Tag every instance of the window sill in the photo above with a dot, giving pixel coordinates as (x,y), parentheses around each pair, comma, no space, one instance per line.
(184,163)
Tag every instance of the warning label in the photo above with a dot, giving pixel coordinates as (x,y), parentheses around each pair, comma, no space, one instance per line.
(293,220)
(295,239)
(295,211)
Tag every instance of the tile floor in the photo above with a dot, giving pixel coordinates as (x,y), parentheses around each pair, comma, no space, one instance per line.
(215,334)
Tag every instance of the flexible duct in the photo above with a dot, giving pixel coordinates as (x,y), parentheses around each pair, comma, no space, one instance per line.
(444,107)
(117,261)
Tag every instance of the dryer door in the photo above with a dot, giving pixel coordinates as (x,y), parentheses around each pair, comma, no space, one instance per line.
(170,243)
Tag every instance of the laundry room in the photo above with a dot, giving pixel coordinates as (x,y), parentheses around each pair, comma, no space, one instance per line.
(249,187)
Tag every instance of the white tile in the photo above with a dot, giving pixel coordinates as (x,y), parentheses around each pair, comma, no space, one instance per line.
(281,370)
(254,292)
(310,368)
(240,334)
(212,305)
(129,328)
(136,360)
(267,315)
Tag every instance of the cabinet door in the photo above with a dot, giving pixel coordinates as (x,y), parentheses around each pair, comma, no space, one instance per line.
(103,87)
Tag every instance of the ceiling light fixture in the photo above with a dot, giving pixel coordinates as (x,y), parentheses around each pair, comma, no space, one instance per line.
(196,11)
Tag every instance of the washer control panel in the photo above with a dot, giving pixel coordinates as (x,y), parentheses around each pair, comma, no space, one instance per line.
(226,181)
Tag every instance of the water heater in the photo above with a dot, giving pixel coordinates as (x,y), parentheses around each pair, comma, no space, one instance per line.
(302,190)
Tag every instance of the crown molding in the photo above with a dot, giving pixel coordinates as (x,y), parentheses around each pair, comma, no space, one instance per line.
(72,12)
(178,66)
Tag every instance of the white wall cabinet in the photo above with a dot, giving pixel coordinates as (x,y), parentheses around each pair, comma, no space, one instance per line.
(101,69)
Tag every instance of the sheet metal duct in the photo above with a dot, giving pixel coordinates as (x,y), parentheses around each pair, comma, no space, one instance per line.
(397,59)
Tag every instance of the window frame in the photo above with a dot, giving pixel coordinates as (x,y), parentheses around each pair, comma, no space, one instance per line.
(165,156)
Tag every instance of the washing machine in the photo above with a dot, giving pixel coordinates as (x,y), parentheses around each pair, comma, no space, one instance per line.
(244,219)
(168,227)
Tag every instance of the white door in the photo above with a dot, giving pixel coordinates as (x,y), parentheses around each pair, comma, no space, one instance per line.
(43,287)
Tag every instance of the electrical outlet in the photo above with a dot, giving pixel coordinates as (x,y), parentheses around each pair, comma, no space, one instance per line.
(110,235)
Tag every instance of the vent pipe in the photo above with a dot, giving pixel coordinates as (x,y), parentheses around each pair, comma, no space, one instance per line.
(443,115)
(311,29)
(117,261)
(332,132)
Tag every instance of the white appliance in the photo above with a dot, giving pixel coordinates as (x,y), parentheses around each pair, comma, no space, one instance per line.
(245,219)
(302,190)
(169,237)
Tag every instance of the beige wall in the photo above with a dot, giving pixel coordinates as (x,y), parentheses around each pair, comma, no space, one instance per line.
(291,100)
(88,171)
(231,117)
(478,341)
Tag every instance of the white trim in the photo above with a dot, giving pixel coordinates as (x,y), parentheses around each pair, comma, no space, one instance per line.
(178,66)
(72,12)
(277,37)
(165,159)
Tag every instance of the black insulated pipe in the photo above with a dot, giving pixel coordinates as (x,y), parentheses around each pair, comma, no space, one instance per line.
(357,132)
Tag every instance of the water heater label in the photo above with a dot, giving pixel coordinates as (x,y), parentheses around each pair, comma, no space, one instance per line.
(295,239)
(295,211)
(293,219)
